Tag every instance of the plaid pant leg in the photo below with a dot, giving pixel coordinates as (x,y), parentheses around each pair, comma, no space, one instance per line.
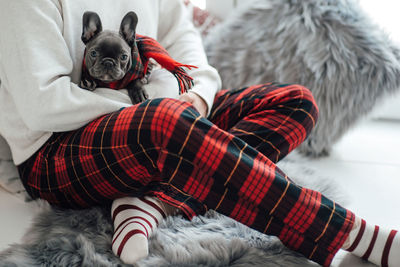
(164,147)
(272,118)
(223,172)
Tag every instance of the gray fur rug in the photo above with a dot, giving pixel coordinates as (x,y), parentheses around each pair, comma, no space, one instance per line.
(330,46)
(83,238)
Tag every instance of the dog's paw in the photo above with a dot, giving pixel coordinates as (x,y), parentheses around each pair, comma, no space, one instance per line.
(137,95)
(88,85)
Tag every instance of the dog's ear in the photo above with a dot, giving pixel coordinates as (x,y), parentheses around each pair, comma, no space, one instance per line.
(91,26)
(128,27)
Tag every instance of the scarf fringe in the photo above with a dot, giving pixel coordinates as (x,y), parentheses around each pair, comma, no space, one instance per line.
(185,82)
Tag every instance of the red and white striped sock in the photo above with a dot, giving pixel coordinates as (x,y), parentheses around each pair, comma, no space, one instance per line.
(135,219)
(375,244)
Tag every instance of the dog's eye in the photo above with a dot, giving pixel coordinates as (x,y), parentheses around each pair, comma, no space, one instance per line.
(93,54)
(124,57)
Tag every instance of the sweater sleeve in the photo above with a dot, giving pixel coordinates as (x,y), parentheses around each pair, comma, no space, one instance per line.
(183,42)
(36,67)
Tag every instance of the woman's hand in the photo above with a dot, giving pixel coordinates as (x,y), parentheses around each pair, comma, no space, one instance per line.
(198,102)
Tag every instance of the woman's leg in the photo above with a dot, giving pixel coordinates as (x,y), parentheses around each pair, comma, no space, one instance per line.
(242,113)
(165,148)
(272,118)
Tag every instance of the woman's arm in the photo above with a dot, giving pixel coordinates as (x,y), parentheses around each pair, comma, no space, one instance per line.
(178,35)
(35,67)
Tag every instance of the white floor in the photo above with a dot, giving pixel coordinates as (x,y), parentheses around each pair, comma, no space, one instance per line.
(365,163)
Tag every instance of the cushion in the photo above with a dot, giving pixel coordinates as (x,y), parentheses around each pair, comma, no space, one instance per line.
(5,153)
(329,46)
(9,178)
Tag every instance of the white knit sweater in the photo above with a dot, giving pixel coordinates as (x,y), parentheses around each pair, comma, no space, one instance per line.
(41,56)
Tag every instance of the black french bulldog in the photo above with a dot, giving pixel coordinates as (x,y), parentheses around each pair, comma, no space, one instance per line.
(109,55)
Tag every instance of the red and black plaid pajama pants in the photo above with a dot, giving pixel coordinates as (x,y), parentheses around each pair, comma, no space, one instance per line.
(164,148)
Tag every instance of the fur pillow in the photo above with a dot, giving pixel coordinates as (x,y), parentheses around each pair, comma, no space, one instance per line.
(329,46)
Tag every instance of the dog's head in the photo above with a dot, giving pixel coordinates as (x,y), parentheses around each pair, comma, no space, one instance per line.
(108,53)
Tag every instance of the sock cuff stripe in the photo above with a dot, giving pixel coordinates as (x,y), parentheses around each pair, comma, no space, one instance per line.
(126,238)
(386,250)
(134,222)
(141,224)
(154,205)
(371,245)
(134,207)
(359,236)
(132,218)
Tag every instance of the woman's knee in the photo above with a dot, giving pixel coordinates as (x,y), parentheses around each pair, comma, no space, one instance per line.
(306,100)
(162,117)
(290,100)
(291,97)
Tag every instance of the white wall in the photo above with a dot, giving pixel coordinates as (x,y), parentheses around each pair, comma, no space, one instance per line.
(385,13)
(220,8)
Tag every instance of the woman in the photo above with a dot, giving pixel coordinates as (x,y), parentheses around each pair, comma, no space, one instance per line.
(77,148)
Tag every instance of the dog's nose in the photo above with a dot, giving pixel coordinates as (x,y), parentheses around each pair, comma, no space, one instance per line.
(108,63)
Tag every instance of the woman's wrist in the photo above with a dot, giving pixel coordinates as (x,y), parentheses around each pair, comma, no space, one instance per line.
(197,101)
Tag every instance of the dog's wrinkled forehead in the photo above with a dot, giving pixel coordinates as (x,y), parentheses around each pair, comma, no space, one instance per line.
(109,43)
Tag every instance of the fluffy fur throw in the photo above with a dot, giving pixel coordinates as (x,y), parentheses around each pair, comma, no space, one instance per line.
(329,46)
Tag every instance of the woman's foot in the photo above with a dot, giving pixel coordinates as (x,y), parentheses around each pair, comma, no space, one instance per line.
(135,219)
(375,244)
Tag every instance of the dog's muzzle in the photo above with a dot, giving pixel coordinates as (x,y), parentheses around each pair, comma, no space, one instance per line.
(108,63)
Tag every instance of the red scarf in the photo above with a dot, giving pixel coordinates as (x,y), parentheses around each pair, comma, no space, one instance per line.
(144,49)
